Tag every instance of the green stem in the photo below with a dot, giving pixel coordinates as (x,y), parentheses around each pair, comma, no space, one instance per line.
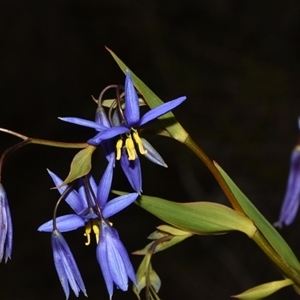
(258,238)
(44,142)
(285,268)
(200,153)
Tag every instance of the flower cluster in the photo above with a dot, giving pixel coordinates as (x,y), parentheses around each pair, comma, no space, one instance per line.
(118,135)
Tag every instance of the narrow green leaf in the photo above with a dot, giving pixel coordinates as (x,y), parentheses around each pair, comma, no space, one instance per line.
(198,217)
(168,120)
(163,245)
(264,290)
(172,230)
(269,232)
(80,165)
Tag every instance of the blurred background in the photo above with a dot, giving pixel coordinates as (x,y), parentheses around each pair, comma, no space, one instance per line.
(238,64)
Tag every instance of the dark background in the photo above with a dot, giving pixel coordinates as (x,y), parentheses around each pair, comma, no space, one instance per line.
(238,64)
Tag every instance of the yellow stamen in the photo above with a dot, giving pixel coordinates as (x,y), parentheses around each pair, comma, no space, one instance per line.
(130,148)
(88,229)
(96,230)
(119,147)
(139,142)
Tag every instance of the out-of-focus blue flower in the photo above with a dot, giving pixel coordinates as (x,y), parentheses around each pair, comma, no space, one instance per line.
(129,121)
(292,196)
(6,230)
(114,260)
(66,266)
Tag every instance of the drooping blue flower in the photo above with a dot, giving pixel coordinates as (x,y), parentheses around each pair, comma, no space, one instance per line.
(93,216)
(66,266)
(292,196)
(114,260)
(127,124)
(6,230)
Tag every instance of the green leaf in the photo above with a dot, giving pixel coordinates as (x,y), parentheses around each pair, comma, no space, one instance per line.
(80,165)
(168,120)
(197,217)
(163,245)
(172,230)
(269,232)
(264,290)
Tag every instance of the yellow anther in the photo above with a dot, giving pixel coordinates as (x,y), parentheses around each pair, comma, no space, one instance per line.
(130,148)
(139,142)
(119,147)
(88,229)
(96,230)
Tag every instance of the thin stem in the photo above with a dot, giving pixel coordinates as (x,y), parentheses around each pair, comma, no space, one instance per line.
(19,135)
(58,144)
(30,140)
(200,153)
(259,239)
(151,252)
(284,267)
(58,202)
(8,152)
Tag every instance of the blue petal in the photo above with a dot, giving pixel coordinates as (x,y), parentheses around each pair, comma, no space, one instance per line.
(127,263)
(5,226)
(102,258)
(116,264)
(83,195)
(132,108)
(152,154)
(114,206)
(66,266)
(105,184)
(132,170)
(83,122)
(101,117)
(109,150)
(64,223)
(292,197)
(160,110)
(107,134)
(72,197)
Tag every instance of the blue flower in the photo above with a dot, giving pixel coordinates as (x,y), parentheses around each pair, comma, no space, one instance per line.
(93,214)
(6,231)
(292,196)
(85,208)
(114,260)
(65,265)
(128,121)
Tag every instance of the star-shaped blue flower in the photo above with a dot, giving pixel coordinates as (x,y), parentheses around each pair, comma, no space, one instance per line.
(129,121)
(84,206)
(93,214)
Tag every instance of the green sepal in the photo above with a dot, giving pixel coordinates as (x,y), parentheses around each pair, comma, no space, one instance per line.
(164,244)
(263,290)
(141,274)
(80,165)
(168,120)
(269,232)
